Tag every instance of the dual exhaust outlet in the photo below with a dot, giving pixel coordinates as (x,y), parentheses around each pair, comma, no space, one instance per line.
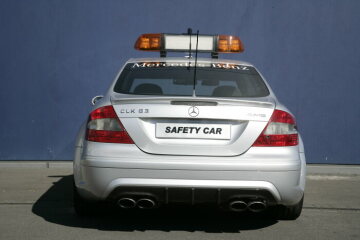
(142,203)
(236,205)
(253,206)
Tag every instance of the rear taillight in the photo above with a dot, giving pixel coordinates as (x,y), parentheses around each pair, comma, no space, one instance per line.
(105,126)
(280,131)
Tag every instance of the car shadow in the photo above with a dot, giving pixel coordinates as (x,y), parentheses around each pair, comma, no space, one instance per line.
(55,206)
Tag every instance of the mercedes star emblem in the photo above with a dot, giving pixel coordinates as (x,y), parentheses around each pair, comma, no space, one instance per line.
(193,111)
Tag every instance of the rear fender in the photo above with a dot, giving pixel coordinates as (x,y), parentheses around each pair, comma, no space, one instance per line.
(302,181)
(79,147)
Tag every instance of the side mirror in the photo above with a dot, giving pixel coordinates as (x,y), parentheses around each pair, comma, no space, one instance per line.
(96,98)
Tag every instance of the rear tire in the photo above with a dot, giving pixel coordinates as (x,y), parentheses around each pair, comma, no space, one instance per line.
(287,212)
(82,206)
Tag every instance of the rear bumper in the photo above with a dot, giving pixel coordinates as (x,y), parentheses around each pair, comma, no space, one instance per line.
(279,175)
(99,183)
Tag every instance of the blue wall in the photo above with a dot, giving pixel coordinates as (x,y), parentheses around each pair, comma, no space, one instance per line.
(55,55)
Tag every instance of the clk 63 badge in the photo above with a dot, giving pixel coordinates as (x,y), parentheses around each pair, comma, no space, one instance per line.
(200,131)
(133,110)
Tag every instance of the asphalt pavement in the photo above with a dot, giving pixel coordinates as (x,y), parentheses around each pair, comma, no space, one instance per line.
(36,203)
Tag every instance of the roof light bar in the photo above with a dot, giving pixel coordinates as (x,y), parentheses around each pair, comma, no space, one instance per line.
(180,43)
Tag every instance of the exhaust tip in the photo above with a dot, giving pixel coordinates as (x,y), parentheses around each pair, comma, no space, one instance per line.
(257,206)
(126,203)
(238,206)
(145,203)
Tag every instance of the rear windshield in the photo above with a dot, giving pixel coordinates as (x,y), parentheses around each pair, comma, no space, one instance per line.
(177,79)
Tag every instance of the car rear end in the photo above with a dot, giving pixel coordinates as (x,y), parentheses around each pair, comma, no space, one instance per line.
(162,136)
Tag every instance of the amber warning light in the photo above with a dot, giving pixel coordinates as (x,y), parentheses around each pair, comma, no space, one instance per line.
(181,43)
(149,42)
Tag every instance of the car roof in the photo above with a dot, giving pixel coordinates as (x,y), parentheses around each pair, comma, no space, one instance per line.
(181,59)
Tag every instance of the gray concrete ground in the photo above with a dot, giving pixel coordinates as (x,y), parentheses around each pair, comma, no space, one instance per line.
(35,203)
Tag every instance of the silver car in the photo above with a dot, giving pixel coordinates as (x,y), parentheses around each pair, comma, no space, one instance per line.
(190,131)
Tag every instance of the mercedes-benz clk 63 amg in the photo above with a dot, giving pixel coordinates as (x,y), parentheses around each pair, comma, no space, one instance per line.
(192,131)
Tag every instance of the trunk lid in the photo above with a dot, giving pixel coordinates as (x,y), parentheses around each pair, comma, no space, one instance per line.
(203,126)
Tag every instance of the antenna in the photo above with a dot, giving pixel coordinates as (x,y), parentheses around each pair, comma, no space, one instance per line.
(189,32)
(196,53)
